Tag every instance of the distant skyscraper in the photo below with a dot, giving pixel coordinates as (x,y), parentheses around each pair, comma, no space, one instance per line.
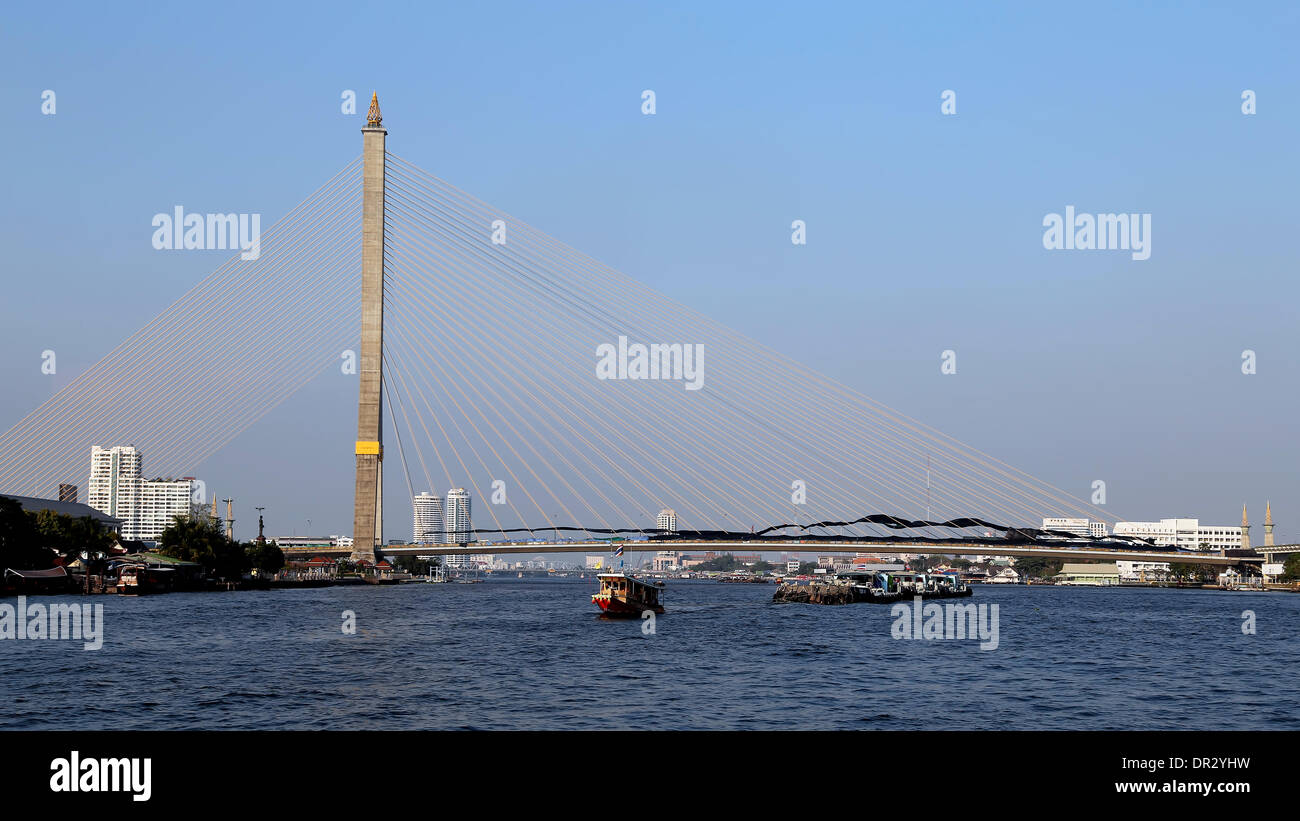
(458,527)
(429,523)
(67,493)
(667,520)
(118,488)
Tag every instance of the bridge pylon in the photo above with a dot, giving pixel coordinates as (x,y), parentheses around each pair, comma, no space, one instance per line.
(368,515)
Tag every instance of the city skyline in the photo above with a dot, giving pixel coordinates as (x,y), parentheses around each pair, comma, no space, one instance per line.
(1138,445)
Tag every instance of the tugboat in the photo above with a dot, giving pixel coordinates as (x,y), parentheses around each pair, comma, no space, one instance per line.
(624,595)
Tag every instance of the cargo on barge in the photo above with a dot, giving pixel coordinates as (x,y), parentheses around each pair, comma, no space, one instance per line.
(875,587)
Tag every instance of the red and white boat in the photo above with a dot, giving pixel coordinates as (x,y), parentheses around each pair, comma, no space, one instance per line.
(624,595)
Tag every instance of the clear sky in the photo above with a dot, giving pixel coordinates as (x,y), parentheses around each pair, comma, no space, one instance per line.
(924,230)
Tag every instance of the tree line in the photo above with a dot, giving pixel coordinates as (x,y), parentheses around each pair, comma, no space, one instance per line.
(36,540)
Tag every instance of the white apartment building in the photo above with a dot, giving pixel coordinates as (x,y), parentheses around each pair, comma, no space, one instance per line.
(160,502)
(1186,534)
(667,520)
(1078,526)
(111,469)
(429,519)
(146,507)
(457,524)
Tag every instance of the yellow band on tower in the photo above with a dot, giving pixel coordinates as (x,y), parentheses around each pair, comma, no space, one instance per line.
(369,448)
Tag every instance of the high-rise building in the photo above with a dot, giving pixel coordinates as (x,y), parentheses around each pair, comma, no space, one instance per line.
(118,488)
(113,475)
(457,516)
(67,493)
(428,525)
(667,521)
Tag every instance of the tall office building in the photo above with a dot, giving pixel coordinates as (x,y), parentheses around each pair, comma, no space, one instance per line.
(118,488)
(428,524)
(458,525)
(667,521)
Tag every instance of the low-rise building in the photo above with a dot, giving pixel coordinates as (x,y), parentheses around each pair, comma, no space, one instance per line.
(1131,571)
(1088,574)
(1185,534)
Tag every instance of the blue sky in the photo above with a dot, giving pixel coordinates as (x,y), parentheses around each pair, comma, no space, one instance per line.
(924,230)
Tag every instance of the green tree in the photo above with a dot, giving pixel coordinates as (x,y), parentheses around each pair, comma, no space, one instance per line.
(1291,568)
(1036,566)
(201,540)
(807,568)
(761,566)
(265,556)
(70,536)
(20,546)
(725,563)
(1191,573)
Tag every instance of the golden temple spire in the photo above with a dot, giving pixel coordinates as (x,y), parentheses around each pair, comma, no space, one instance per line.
(1268,513)
(373,118)
(1244,522)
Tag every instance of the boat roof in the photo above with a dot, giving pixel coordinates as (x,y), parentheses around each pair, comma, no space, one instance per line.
(646,582)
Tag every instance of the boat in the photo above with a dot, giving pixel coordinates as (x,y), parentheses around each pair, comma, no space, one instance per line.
(134,580)
(624,595)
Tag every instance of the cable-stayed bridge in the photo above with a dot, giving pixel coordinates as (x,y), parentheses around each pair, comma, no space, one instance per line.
(565,396)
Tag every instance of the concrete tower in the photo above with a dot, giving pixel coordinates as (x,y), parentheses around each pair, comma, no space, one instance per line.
(368,513)
(1268,524)
(1245,529)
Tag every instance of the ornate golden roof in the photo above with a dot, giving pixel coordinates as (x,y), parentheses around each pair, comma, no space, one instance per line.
(373,118)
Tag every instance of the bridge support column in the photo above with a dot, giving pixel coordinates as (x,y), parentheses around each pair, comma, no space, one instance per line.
(368,517)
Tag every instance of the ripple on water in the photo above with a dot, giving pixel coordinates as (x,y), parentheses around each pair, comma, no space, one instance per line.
(529,654)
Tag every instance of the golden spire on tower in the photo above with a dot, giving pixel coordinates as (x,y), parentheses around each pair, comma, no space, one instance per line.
(1244,522)
(1268,513)
(373,118)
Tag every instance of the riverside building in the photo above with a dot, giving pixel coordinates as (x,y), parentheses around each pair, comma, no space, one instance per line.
(1185,534)
(146,507)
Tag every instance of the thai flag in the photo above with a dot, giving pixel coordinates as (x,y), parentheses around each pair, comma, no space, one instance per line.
(618,551)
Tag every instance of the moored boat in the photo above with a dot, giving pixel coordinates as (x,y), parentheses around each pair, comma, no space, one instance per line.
(624,595)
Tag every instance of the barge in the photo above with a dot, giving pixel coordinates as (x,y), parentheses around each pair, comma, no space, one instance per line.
(876,587)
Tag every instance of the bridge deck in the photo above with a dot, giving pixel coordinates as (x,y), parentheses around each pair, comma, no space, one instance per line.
(936,547)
